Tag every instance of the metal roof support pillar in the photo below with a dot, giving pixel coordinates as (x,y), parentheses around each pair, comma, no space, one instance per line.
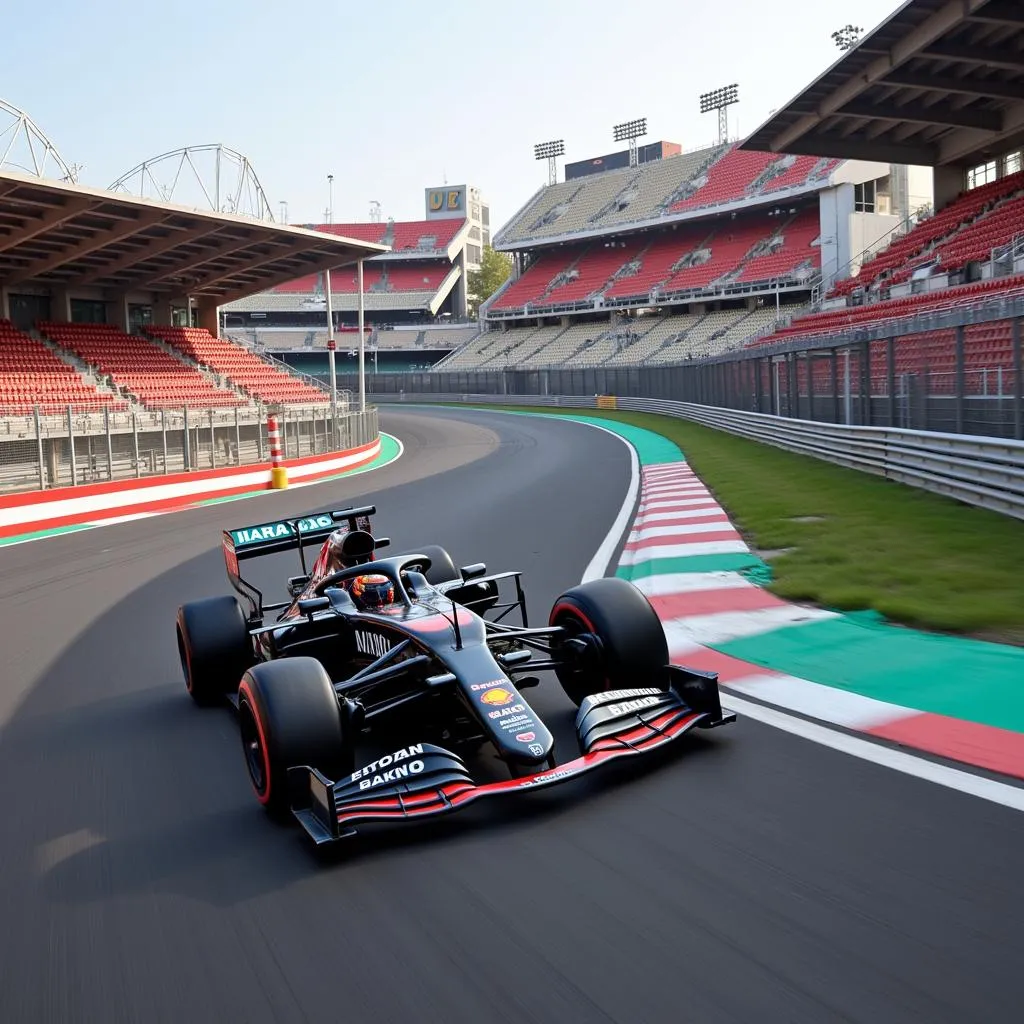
(362,339)
(331,346)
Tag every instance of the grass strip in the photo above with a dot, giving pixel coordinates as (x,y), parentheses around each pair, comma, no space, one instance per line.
(851,541)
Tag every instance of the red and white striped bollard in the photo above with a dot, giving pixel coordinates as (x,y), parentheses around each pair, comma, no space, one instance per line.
(278,471)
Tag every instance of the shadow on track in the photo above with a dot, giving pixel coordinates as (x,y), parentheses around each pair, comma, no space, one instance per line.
(155,789)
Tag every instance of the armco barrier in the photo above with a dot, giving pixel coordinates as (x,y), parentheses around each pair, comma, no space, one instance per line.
(981,471)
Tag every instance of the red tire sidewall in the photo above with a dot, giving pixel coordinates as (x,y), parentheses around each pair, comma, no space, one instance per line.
(247,697)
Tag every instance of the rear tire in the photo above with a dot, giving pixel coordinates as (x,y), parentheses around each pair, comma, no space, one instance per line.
(289,715)
(625,645)
(442,568)
(214,647)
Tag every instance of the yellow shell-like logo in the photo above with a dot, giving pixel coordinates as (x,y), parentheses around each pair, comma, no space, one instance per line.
(497,696)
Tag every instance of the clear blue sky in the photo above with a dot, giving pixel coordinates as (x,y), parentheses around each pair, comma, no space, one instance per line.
(396,96)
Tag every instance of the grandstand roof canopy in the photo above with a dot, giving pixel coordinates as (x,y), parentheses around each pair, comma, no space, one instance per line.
(940,82)
(64,236)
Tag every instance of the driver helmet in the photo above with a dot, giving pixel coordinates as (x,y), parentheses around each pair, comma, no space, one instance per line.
(372,591)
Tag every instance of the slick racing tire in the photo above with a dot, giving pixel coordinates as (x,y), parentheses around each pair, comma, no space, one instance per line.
(623,641)
(442,568)
(214,646)
(289,716)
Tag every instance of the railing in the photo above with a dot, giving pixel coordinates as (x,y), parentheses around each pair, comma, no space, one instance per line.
(86,446)
(978,471)
(766,287)
(503,242)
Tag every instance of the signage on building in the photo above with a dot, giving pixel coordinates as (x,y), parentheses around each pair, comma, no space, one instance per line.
(446,202)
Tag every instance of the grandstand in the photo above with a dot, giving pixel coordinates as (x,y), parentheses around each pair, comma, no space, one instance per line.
(32,376)
(717,243)
(91,281)
(414,295)
(815,226)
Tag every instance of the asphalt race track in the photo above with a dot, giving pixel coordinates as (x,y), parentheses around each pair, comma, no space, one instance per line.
(753,877)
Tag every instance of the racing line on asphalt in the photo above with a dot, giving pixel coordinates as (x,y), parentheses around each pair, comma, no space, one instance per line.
(754,876)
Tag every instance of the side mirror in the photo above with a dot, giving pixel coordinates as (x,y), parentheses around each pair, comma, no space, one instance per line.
(314,604)
(474,571)
(382,542)
(296,585)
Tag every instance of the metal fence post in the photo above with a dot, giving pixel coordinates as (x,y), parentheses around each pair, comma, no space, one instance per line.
(1018,384)
(847,396)
(187,449)
(163,430)
(213,443)
(890,358)
(39,449)
(866,416)
(110,443)
(238,440)
(960,382)
(71,446)
(135,444)
(259,433)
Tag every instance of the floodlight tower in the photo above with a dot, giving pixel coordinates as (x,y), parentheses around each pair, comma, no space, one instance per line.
(630,131)
(550,151)
(720,100)
(374,211)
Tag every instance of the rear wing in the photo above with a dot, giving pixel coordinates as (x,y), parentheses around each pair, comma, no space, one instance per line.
(284,535)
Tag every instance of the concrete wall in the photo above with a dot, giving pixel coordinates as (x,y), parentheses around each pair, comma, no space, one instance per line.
(836,213)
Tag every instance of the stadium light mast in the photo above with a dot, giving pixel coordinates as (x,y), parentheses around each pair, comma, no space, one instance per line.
(720,100)
(630,131)
(550,151)
(330,198)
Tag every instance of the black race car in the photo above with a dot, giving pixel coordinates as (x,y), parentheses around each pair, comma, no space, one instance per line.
(410,643)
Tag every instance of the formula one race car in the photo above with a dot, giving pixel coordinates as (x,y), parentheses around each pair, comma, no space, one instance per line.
(415,645)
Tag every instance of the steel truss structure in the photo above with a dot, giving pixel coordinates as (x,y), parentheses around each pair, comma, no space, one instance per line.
(210,177)
(25,149)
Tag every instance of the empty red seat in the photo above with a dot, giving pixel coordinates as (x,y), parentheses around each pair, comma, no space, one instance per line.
(139,368)
(32,376)
(240,366)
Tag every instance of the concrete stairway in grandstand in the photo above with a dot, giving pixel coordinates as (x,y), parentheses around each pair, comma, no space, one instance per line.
(86,372)
(210,375)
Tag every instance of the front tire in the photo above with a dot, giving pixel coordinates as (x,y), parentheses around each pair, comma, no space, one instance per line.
(214,647)
(622,639)
(289,715)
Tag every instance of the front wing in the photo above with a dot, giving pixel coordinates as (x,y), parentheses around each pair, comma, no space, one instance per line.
(424,780)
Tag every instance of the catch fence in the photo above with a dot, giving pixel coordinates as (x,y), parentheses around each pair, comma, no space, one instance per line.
(962,377)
